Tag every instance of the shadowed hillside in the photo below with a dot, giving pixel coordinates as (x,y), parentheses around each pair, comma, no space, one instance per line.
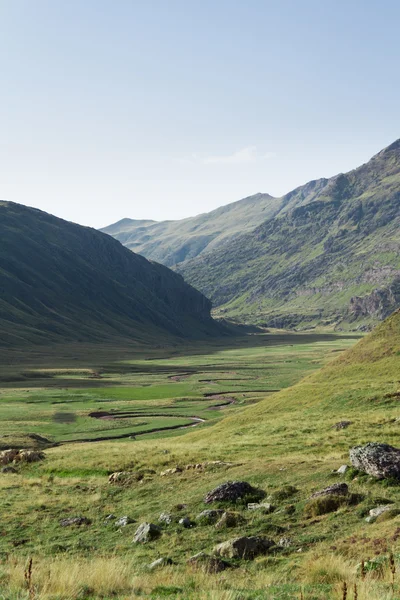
(60,281)
(331,255)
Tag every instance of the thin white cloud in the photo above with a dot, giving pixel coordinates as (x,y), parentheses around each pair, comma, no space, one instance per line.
(245,155)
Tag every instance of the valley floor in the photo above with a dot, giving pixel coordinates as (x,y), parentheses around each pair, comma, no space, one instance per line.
(245,429)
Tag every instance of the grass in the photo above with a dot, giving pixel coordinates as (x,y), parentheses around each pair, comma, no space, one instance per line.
(283,439)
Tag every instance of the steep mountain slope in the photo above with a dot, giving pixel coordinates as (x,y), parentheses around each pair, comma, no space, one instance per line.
(331,255)
(172,242)
(60,281)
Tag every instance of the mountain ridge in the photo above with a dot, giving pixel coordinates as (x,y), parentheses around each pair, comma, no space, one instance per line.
(62,281)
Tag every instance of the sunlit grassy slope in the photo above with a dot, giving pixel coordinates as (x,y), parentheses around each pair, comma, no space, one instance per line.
(286,439)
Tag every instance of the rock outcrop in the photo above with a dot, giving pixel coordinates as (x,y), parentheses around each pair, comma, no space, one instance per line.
(376,459)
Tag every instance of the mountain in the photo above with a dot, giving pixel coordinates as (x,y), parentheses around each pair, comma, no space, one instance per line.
(172,242)
(60,281)
(330,256)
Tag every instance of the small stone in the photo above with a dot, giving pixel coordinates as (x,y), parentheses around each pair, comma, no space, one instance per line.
(160,562)
(209,517)
(124,521)
(146,532)
(173,471)
(109,518)
(341,425)
(264,507)
(342,470)
(285,542)
(186,522)
(166,518)
(78,521)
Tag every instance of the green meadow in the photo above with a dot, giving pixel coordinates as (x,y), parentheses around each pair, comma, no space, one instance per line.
(272,439)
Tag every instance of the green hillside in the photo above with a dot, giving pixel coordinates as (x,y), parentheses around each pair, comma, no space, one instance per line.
(63,282)
(330,256)
(171,242)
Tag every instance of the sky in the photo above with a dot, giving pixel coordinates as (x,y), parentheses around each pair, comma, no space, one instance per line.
(164,109)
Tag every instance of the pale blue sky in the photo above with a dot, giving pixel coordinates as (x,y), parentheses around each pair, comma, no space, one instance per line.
(165,109)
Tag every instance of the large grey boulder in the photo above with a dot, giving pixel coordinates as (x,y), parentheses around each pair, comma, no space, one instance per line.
(231,491)
(146,532)
(244,547)
(379,460)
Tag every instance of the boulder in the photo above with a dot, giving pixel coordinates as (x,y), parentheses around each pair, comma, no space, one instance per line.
(244,547)
(337,489)
(160,562)
(146,532)
(209,564)
(374,513)
(77,521)
(229,519)
(232,491)
(379,460)
(210,516)
(124,521)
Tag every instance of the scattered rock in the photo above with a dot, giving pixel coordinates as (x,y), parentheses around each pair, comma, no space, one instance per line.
(124,521)
(337,489)
(229,519)
(121,477)
(166,518)
(209,564)
(379,460)
(285,542)
(186,523)
(146,532)
(7,456)
(341,425)
(209,517)
(109,519)
(160,562)
(176,469)
(322,505)
(78,521)
(342,470)
(374,513)
(232,491)
(264,507)
(244,547)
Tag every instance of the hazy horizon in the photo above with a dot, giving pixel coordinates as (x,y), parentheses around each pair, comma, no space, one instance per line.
(165,111)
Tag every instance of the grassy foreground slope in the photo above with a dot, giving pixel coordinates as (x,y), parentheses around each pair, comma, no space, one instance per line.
(330,256)
(288,439)
(63,282)
(171,242)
